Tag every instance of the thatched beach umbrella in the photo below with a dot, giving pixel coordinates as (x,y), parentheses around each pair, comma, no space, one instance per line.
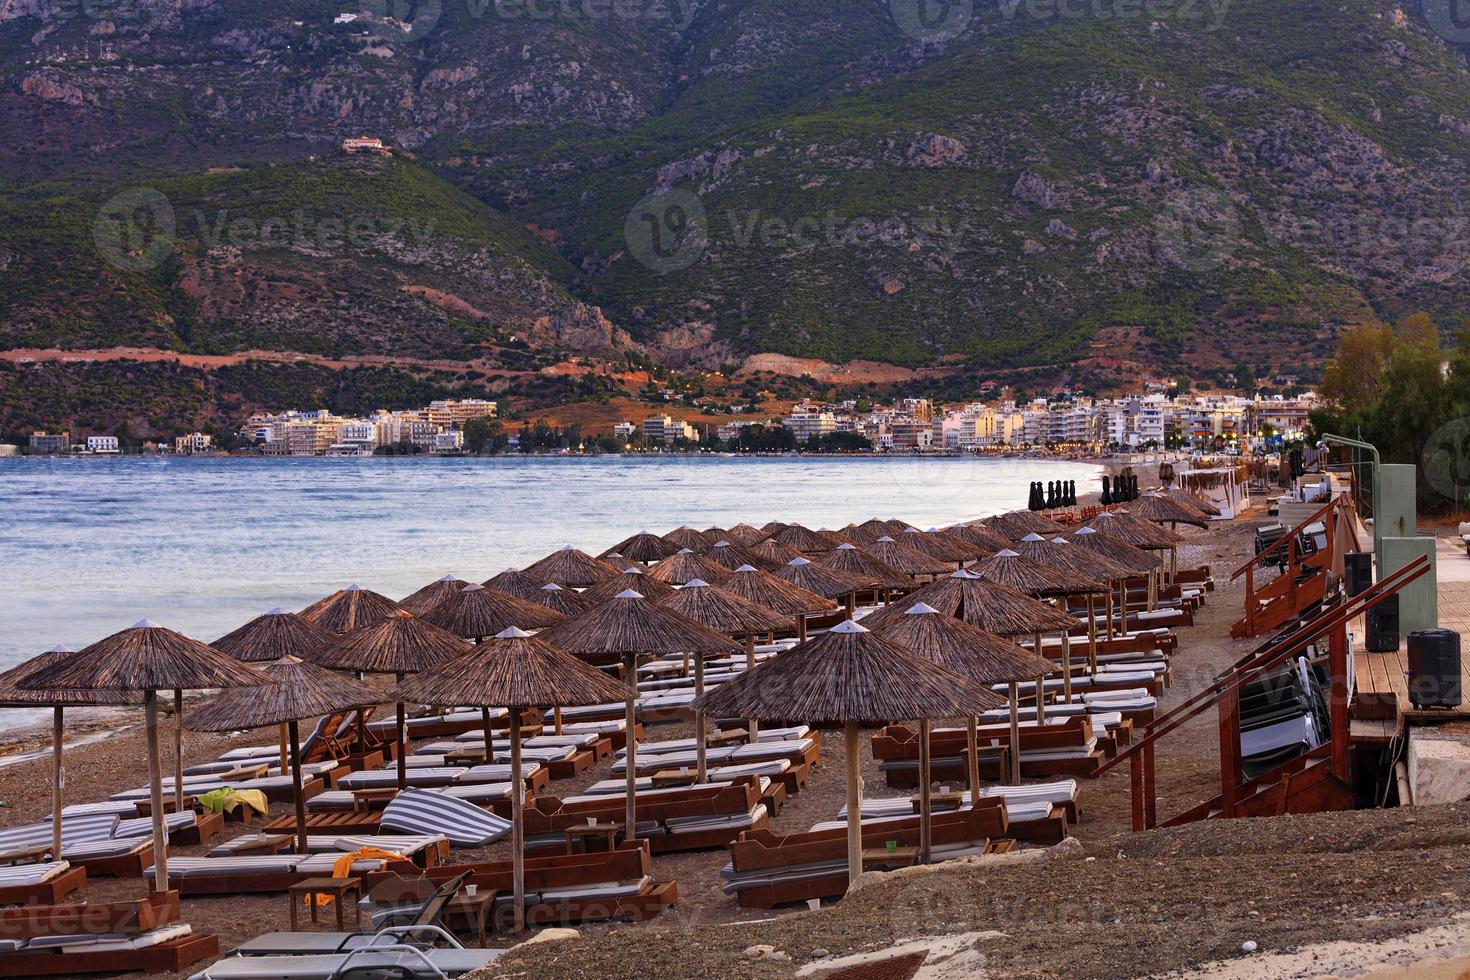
(849,558)
(1120,552)
(432,594)
(731,556)
(773,527)
(770,592)
(633,578)
(685,567)
(988,540)
(745,535)
(13,696)
(148,658)
(1162,509)
(852,678)
(474,611)
(725,613)
(805,540)
(773,553)
(514,582)
(621,631)
(399,645)
(1059,553)
(561,600)
(685,537)
(1189,500)
(941,547)
(296,690)
(265,639)
(1140,533)
(516,671)
(1019,523)
(349,609)
(910,562)
(571,569)
(972,653)
(643,547)
(825,581)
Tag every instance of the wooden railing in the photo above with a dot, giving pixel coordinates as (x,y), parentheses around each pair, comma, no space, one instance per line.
(1287,586)
(1224,694)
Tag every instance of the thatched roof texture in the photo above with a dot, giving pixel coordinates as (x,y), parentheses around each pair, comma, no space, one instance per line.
(571,569)
(143,657)
(687,566)
(1115,550)
(1033,578)
(515,582)
(849,558)
(764,589)
(629,625)
(686,537)
(829,583)
(642,547)
(295,690)
(745,535)
(907,561)
(994,608)
(964,649)
(514,669)
(1166,510)
(273,635)
(1058,552)
(12,695)
(561,600)
(475,611)
(722,611)
(400,644)
(634,578)
(349,609)
(847,674)
(432,594)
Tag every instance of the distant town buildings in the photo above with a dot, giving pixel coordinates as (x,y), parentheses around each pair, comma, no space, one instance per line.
(366,144)
(194,442)
(436,428)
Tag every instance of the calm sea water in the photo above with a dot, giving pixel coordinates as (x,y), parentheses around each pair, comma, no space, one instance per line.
(89,546)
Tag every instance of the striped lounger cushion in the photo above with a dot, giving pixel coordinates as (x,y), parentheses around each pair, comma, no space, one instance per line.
(31,874)
(465,824)
(383,778)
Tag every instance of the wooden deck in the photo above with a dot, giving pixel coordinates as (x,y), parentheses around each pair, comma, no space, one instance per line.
(1381,704)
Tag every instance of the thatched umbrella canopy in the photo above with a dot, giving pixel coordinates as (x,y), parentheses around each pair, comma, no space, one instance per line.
(1137,532)
(849,558)
(1019,523)
(825,581)
(716,532)
(1116,550)
(989,541)
(745,535)
(296,691)
(13,696)
(401,644)
(849,677)
(1022,574)
(725,613)
(974,654)
(515,582)
(731,556)
(149,658)
(643,547)
(349,609)
(941,547)
(475,611)
(805,540)
(1161,509)
(898,526)
(432,594)
(687,566)
(622,630)
(993,608)
(564,601)
(836,537)
(571,569)
(909,561)
(773,553)
(685,537)
(864,533)
(765,589)
(1091,565)
(1187,499)
(515,671)
(773,527)
(273,635)
(634,578)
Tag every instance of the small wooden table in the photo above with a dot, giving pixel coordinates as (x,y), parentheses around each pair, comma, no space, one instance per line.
(458,757)
(729,736)
(939,801)
(266,844)
(364,800)
(336,888)
(26,855)
(882,859)
(580,839)
(477,908)
(670,778)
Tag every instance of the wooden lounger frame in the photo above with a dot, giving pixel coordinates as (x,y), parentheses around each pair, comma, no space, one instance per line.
(170,957)
(91,918)
(897,742)
(122,866)
(51,892)
(258,883)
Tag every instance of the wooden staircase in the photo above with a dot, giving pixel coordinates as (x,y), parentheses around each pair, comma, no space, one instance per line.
(1318,780)
(1302,584)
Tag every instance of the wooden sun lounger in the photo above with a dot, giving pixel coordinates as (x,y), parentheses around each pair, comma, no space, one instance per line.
(130,865)
(49,892)
(167,957)
(233,884)
(898,742)
(344,822)
(132,917)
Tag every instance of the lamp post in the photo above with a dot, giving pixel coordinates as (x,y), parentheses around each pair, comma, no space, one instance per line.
(1377,500)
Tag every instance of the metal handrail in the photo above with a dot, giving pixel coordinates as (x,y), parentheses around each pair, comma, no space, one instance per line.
(1279,542)
(1298,640)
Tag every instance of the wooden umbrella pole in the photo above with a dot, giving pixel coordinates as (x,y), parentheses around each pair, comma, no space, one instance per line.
(926,802)
(402,748)
(801,627)
(752,726)
(362,742)
(485,727)
(1015,734)
(178,751)
(517,824)
(854,804)
(155,791)
(1040,684)
(1067,666)
(297,793)
(285,751)
(1092,631)
(1111,634)
(972,743)
(556,720)
(701,742)
(630,720)
(58,777)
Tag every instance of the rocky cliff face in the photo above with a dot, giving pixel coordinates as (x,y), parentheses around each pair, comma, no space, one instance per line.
(1219,183)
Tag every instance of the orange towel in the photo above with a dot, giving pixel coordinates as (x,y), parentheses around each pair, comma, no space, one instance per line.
(342,867)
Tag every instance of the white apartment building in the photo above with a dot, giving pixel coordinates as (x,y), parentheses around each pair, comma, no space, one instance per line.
(805,424)
(448,442)
(102,445)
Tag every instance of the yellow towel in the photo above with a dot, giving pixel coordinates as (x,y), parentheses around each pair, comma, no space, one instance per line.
(228,800)
(342,867)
